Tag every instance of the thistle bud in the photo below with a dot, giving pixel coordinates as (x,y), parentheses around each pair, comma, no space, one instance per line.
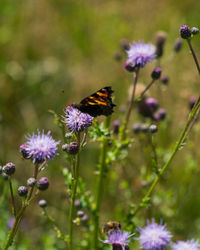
(42,203)
(178,45)
(194,30)
(144,128)
(22,191)
(136,128)
(43,183)
(72,148)
(124,44)
(165,79)
(80,213)
(31,182)
(156,73)
(23,151)
(116,125)
(185,32)
(9,168)
(129,67)
(153,128)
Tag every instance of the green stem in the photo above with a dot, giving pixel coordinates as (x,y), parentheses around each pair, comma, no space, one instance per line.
(12,196)
(148,86)
(126,121)
(180,141)
(194,55)
(18,217)
(60,235)
(75,176)
(99,192)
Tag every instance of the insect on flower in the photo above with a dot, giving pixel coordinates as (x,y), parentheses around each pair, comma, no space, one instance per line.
(99,103)
(111,226)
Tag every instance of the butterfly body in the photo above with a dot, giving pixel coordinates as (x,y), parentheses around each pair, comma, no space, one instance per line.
(99,103)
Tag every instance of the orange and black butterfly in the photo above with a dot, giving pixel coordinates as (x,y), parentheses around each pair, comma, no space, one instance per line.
(99,103)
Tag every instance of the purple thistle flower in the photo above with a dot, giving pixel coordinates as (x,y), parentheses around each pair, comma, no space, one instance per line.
(186,245)
(154,236)
(118,238)
(77,120)
(41,147)
(140,54)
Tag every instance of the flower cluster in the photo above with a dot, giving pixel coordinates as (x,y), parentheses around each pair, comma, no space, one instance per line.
(118,238)
(41,147)
(154,236)
(77,120)
(139,54)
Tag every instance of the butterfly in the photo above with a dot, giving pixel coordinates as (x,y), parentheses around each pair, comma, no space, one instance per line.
(99,103)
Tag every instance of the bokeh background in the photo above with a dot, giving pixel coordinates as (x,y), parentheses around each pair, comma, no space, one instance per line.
(54,53)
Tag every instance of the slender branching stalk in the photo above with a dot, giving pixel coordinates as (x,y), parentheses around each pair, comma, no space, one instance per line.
(19,215)
(179,144)
(194,55)
(126,121)
(99,192)
(147,87)
(12,196)
(75,176)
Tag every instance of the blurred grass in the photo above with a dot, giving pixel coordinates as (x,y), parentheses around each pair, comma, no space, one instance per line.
(54,53)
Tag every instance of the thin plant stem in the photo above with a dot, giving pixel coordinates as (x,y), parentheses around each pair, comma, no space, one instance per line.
(18,216)
(148,86)
(12,196)
(100,182)
(126,121)
(75,173)
(179,143)
(60,235)
(194,55)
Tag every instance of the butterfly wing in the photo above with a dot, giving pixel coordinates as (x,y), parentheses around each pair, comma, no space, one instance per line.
(99,103)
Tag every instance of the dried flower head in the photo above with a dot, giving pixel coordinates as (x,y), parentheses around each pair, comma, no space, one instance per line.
(154,236)
(186,245)
(41,147)
(76,120)
(140,54)
(118,238)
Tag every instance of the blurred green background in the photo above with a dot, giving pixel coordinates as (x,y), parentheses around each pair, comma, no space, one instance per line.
(54,53)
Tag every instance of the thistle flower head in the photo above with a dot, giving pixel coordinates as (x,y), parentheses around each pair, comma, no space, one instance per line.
(140,54)
(76,120)
(118,238)
(154,236)
(186,245)
(41,147)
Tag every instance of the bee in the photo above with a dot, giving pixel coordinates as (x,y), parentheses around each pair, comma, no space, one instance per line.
(111,226)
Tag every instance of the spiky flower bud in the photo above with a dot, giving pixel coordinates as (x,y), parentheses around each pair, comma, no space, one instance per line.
(165,79)
(80,213)
(129,67)
(144,128)
(5,176)
(23,151)
(68,135)
(178,45)
(9,168)
(156,73)
(72,148)
(136,128)
(124,44)
(43,183)
(116,125)
(77,204)
(31,182)
(42,203)
(185,32)
(194,30)
(22,191)
(153,128)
